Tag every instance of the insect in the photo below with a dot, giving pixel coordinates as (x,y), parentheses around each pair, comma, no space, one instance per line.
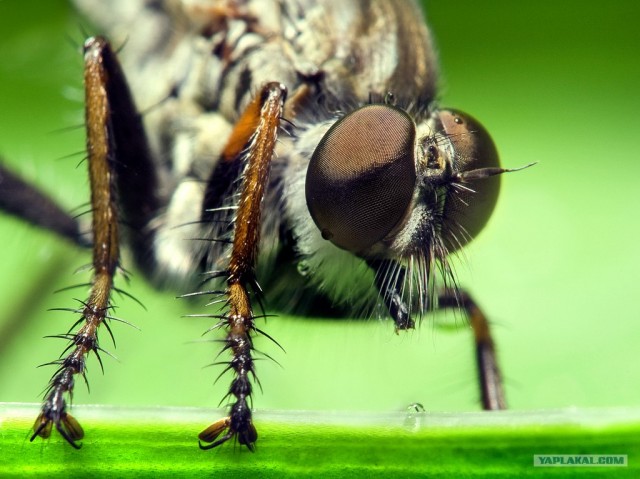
(274,133)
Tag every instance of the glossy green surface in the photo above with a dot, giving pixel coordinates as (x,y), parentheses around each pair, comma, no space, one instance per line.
(160,442)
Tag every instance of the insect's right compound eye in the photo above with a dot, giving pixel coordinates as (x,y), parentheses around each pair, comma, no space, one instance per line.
(468,209)
(361,177)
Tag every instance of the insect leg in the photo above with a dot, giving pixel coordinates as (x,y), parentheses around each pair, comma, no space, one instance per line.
(389,279)
(25,201)
(489,377)
(107,106)
(254,136)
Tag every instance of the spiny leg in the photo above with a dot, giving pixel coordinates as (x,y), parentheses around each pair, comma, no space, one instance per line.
(103,83)
(489,377)
(254,136)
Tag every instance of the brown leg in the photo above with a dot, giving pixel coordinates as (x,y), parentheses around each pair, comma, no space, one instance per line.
(256,129)
(489,377)
(104,88)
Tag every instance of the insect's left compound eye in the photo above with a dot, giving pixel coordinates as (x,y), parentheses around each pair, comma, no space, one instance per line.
(362,175)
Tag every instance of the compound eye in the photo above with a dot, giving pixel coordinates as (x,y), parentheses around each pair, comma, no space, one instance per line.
(361,176)
(467,210)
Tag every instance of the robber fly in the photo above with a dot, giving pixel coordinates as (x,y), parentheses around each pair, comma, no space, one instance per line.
(274,133)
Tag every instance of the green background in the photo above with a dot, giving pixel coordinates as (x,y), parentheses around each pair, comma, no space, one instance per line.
(556,269)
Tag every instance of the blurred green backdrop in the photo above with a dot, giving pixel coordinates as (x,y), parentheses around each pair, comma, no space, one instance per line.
(556,269)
